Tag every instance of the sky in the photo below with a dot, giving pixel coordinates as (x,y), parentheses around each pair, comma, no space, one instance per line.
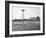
(28,12)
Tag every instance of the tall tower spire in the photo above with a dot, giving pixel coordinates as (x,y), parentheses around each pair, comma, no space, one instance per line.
(23,14)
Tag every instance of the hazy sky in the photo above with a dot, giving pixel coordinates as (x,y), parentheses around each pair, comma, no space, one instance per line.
(29,12)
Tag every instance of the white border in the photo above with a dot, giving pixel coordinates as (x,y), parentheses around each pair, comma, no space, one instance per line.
(25,32)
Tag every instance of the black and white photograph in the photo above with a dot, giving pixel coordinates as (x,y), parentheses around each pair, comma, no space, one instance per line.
(25,18)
